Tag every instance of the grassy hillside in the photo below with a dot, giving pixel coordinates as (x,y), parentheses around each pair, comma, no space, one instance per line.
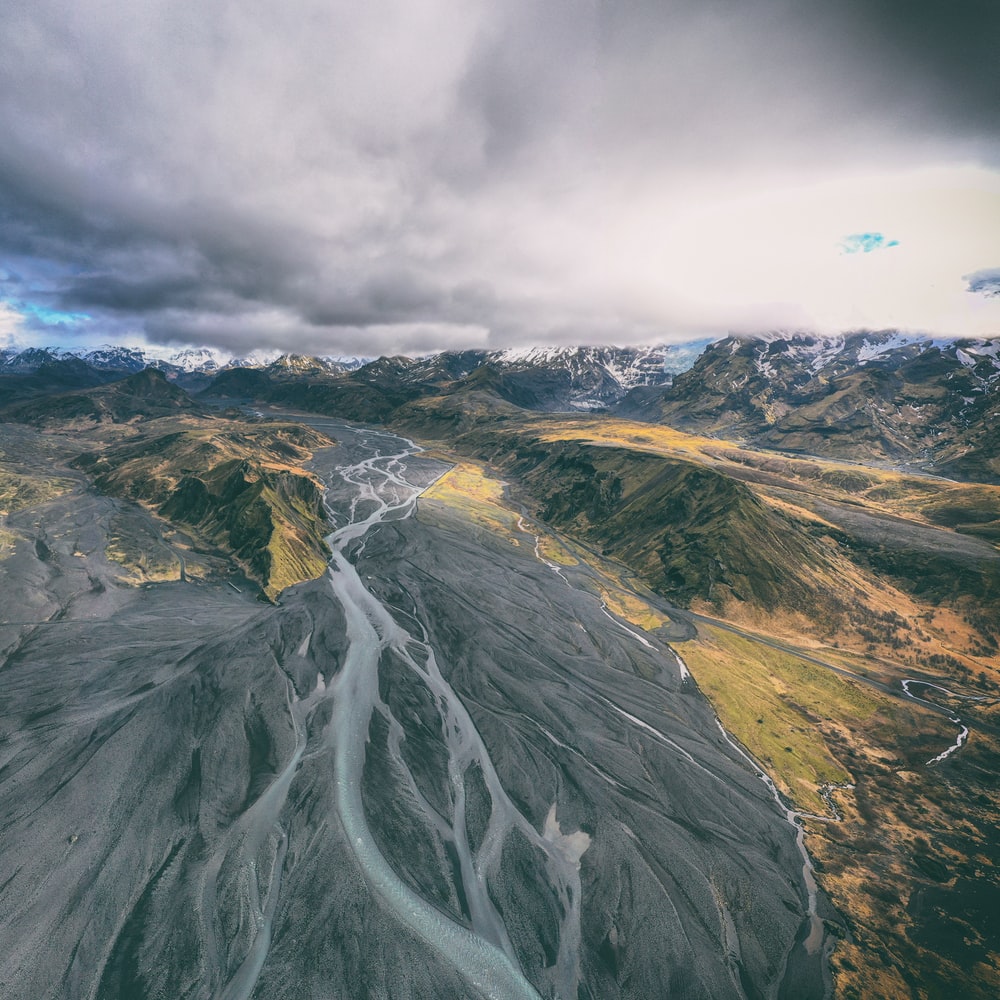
(834,551)
(904,848)
(237,486)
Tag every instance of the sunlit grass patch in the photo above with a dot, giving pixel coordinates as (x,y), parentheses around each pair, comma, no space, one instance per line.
(633,609)
(293,553)
(555,551)
(468,489)
(772,702)
(652,438)
(239,487)
(143,564)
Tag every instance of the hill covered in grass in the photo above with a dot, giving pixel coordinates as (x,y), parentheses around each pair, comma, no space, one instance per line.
(828,549)
(238,486)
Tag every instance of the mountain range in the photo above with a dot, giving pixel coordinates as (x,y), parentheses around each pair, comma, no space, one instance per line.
(928,403)
(918,402)
(578,378)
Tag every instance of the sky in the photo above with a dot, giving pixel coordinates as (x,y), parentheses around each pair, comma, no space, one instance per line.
(400,176)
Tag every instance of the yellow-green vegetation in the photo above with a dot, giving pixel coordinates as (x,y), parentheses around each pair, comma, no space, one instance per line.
(295,548)
(969,508)
(607,581)
(772,542)
(902,835)
(907,862)
(468,489)
(7,542)
(18,490)
(773,702)
(556,551)
(143,558)
(633,609)
(154,461)
(652,438)
(237,486)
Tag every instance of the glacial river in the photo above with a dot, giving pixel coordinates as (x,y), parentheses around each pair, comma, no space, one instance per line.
(362,495)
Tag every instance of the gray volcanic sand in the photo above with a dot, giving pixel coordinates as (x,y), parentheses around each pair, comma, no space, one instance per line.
(168,817)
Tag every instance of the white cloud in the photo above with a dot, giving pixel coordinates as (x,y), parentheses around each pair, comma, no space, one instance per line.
(11,327)
(772,258)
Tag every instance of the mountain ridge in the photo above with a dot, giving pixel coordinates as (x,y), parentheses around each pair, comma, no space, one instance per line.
(886,396)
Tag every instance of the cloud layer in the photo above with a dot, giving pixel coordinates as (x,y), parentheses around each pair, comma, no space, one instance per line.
(399,175)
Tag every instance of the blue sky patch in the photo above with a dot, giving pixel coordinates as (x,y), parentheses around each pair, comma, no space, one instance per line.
(866,243)
(49,317)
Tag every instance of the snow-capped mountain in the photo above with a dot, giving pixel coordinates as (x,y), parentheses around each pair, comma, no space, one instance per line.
(188,360)
(628,366)
(580,377)
(829,356)
(303,364)
(882,396)
(575,378)
(111,358)
(192,359)
(28,361)
(116,358)
(255,359)
(778,356)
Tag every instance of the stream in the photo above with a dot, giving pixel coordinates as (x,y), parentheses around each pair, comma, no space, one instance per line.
(374,490)
(442,769)
(963,733)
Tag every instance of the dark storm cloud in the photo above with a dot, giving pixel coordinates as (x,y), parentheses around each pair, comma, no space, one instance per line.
(941,54)
(876,72)
(395,172)
(118,294)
